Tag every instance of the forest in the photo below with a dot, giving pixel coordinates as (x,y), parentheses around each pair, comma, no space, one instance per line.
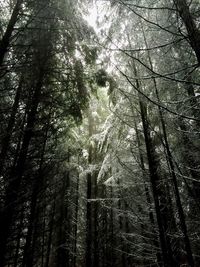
(99,133)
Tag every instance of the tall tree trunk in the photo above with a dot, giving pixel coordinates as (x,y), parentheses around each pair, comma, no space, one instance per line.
(76,223)
(12,192)
(4,43)
(155,180)
(9,128)
(193,161)
(95,222)
(62,250)
(49,243)
(156,183)
(148,198)
(193,31)
(89,222)
(177,194)
(105,221)
(37,184)
(90,186)
(172,169)
(111,230)
(28,253)
(43,238)
(16,258)
(121,226)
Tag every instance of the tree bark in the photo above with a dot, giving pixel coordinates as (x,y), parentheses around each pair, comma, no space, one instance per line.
(12,192)
(148,198)
(76,223)
(49,243)
(158,194)
(62,250)
(9,129)
(18,239)
(89,223)
(193,32)
(172,169)
(4,43)
(90,186)
(37,184)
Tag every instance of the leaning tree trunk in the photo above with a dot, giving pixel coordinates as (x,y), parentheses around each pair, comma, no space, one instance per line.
(5,41)
(193,31)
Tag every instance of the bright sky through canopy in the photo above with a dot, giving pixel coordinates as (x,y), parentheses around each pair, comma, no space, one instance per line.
(92,17)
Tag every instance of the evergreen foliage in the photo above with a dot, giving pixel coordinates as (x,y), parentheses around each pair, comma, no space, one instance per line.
(99,133)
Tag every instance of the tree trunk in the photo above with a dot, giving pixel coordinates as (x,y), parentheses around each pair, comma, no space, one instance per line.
(49,243)
(95,208)
(12,192)
(16,259)
(156,183)
(193,32)
(28,253)
(37,184)
(177,194)
(172,170)
(154,178)
(121,227)
(76,223)
(90,186)
(62,257)
(148,198)
(4,43)
(89,222)
(9,129)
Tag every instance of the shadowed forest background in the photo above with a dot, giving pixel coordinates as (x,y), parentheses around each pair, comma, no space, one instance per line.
(99,133)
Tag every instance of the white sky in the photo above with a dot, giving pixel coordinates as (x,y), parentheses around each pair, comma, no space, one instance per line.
(96,15)
(92,17)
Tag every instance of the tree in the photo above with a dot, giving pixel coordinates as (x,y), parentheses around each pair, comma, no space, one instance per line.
(99,134)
